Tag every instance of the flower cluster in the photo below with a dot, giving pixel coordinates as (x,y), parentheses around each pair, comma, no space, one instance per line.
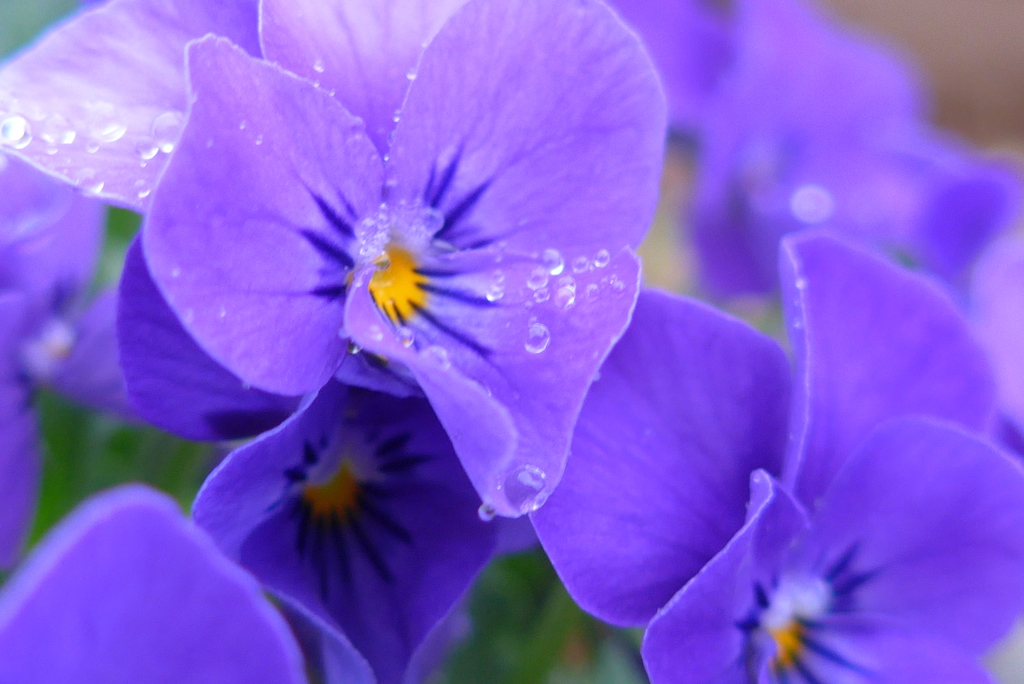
(387,264)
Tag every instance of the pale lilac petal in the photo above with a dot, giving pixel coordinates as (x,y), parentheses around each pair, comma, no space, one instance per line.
(364,52)
(689,403)
(237,238)
(871,342)
(107,91)
(171,381)
(126,590)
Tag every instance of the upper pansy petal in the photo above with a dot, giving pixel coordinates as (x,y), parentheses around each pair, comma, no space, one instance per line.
(100,100)
(507,377)
(922,511)
(698,637)
(688,404)
(692,44)
(357,510)
(535,123)
(364,52)
(871,342)
(998,309)
(248,233)
(127,590)
(171,381)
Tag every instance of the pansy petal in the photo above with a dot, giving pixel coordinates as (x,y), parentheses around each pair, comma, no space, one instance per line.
(91,374)
(692,45)
(925,510)
(698,637)
(382,573)
(688,404)
(100,100)
(871,342)
(364,52)
(50,236)
(19,458)
(998,309)
(127,590)
(253,214)
(479,362)
(534,123)
(171,381)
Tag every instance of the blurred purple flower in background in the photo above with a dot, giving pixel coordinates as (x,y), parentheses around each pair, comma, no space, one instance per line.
(655,491)
(54,334)
(127,590)
(802,124)
(357,513)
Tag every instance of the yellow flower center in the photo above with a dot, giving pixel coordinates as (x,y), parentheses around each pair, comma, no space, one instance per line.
(396,286)
(788,644)
(338,496)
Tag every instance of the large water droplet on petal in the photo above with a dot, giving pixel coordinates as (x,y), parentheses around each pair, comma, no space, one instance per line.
(538,278)
(166,129)
(553,261)
(15,131)
(524,488)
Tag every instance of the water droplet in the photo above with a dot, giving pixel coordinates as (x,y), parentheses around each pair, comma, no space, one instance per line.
(166,129)
(565,297)
(602,258)
(397,116)
(592,290)
(542,295)
(376,334)
(147,148)
(538,337)
(438,355)
(411,74)
(318,66)
(143,194)
(92,147)
(580,264)
(524,488)
(15,131)
(486,512)
(617,283)
(243,124)
(812,203)
(406,336)
(553,261)
(57,130)
(86,178)
(259,139)
(108,131)
(496,289)
(538,278)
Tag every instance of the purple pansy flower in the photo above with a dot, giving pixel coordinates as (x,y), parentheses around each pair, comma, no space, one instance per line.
(809,125)
(51,335)
(127,590)
(475,259)
(632,525)
(357,514)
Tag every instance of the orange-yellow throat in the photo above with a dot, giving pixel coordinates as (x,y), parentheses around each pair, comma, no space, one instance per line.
(338,496)
(396,286)
(788,644)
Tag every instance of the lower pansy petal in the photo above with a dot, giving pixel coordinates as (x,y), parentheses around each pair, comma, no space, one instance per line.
(869,335)
(688,404)
(357,510)
(704,634)
(127,590)
(249,233)
(491,353)
(923,525)
(171,381)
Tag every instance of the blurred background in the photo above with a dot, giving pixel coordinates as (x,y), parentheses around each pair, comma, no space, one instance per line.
(519,626)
